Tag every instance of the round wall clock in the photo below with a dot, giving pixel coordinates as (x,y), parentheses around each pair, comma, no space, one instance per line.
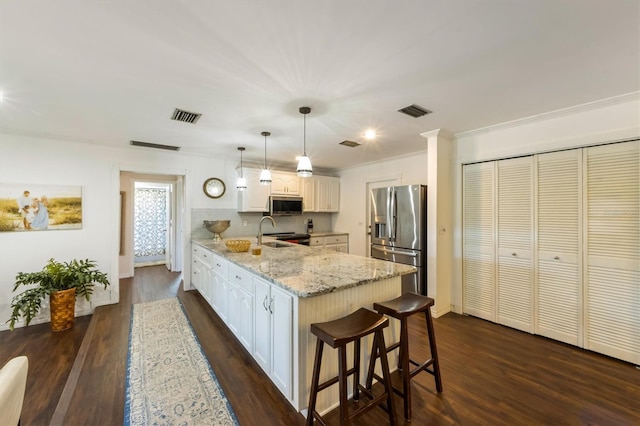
(213,188)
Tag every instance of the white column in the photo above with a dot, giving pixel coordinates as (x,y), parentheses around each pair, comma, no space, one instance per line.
(440,218)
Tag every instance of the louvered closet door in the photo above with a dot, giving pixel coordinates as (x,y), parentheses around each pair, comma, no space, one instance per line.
(558,295)
(515,241)
(479,240)
(612,270)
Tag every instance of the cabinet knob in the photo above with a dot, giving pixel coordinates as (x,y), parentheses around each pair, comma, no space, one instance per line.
(513,254)
(556,257)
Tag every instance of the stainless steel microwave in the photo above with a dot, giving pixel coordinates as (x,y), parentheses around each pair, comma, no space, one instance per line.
(285,206)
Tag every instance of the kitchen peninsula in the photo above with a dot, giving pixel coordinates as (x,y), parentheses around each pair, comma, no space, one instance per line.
(269,301)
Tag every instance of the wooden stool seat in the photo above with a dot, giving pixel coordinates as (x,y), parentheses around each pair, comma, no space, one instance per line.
(402,308)
(337,334)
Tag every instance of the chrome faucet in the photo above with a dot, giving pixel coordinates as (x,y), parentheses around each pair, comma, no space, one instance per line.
(273,222)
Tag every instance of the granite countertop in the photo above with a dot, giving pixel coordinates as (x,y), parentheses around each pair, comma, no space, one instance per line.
(309,271)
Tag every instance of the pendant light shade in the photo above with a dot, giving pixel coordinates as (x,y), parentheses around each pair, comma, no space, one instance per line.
(265,174)
(241,185)
(304,163)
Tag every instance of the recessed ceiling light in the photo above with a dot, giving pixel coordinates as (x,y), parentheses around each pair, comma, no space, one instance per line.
(370,134)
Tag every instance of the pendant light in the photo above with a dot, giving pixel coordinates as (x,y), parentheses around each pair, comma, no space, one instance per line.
(265,174)
(304,164)
(242,182)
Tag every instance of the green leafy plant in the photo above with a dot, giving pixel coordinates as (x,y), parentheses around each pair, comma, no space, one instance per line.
(55,276)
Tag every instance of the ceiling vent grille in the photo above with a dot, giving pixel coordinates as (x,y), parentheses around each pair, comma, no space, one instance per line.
(185,116)
(350,144)
(414,111)
(155,145)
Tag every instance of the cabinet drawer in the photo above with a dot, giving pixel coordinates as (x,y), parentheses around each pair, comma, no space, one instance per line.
(241,277)
(202,254)
(336,239)
(316,241)
(219,264)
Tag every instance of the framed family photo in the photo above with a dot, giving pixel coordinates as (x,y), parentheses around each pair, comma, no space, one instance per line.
(35,207)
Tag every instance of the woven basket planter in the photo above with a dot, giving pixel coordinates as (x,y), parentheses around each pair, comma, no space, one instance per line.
(63,309)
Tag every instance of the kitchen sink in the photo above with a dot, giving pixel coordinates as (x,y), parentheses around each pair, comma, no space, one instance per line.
(276,244)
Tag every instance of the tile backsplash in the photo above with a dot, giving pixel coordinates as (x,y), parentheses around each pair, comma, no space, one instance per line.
(321,223)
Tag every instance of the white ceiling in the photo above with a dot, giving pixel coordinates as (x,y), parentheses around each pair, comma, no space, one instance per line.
(107,72)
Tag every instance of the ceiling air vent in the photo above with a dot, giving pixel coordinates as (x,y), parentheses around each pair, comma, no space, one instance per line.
(350,144)
(155,145)
(185,116)
(414,111)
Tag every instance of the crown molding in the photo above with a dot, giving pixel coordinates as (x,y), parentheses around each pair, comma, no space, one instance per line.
(627,97)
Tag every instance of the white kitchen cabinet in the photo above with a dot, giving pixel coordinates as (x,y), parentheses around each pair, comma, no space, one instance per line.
(327,194)
(309,194)
(335,242)
(240,303)
(201,271)
(240,314)
(273,334)
(220,287)
(256,197)
(283,183)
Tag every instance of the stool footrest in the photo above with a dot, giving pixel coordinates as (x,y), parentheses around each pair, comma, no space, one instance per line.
(336,379)
(421,367)
(375,400)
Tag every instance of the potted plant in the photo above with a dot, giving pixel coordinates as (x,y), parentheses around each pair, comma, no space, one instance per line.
(61,282)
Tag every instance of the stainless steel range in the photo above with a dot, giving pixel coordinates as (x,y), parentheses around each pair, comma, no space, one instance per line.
(291,237)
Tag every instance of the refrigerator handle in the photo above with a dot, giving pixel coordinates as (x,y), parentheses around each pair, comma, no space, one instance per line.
(394,208)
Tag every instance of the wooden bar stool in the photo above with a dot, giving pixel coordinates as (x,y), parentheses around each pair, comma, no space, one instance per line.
(338,334)
(402,308)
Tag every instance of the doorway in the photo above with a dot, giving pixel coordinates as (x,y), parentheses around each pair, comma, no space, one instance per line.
(164,201)
(152,218)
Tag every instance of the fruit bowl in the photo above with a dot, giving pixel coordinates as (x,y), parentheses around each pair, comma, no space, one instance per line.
(238,246)
(217,227)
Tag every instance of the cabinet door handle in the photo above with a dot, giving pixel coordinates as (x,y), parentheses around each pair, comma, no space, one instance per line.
(271,306)
(238,278)
(264,303)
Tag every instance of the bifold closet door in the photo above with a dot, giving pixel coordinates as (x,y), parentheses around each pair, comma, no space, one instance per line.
(559,231)
(612,270)
(515,243)
(478,263)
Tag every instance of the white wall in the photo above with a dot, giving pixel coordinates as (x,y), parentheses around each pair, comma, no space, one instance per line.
(97,169)
(410,169)
(598,122)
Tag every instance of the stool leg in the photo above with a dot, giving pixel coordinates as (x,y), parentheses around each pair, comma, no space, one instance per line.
(382,349)
(356,375)
(404,362)
(342,384)
(372,365)
(313,394)
(434,350)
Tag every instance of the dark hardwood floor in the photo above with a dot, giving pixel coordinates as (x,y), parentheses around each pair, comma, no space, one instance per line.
(492,375)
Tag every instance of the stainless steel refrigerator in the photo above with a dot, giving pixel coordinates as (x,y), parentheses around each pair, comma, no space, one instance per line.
(399,230)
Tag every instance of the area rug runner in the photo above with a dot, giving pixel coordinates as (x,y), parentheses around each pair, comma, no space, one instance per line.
(169,380)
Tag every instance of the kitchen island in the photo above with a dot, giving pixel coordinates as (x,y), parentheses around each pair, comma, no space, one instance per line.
(269,301)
